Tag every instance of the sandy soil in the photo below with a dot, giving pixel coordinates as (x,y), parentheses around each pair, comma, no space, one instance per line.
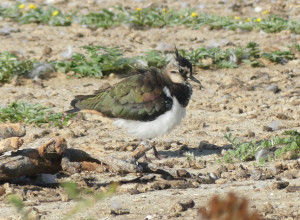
(234,100)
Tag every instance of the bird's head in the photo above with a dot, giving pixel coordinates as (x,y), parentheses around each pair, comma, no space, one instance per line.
(179,70)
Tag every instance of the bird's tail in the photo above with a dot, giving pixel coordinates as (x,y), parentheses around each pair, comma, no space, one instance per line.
(77,103)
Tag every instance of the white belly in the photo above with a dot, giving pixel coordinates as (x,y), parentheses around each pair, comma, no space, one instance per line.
(161,125)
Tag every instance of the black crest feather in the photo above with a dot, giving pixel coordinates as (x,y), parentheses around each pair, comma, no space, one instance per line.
(182,61)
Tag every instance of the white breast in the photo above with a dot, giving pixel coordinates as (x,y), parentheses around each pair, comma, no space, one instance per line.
(161,125)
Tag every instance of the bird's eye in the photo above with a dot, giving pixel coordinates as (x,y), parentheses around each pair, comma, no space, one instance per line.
(181,71)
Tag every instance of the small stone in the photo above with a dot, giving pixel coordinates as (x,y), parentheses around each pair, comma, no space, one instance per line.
(130,148)
(293,188)
(221,181)
(226,175)
(220,170)
(65,198)
(33,213)
(268,208)
(273,88)
(183,206)
(291,174)
(293,165)
(112,76)
(275,125)
(119,211)
(267,128)
(2,190)
(223,152)
(256,174)
(279,185)
(250,134)
(167,146)
(230,166)
(241,172)
(282,116)
(47,50)
(288,155)
(278,165)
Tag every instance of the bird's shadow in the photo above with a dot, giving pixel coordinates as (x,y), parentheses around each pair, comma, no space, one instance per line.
(204,149)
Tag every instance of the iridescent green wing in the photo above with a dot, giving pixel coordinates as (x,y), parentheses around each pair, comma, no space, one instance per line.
(139,97)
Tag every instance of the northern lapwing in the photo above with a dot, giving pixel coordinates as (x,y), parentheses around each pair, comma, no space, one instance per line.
(148,104)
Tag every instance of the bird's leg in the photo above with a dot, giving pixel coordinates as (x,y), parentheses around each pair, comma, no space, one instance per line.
(155,152)
(143,147)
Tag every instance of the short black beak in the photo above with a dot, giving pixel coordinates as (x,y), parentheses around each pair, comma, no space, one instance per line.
(194,79)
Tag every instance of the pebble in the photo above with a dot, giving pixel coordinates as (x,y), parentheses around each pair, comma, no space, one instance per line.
(221,181)
(275,125)
(268,208)
(273,88)
(241,172)
(119,211)
(183,206)
(226,175)
(64,197)
(279,185)
(220,170)
(230,166)
(256,173)
(267,128)
(293,188)
(47,50)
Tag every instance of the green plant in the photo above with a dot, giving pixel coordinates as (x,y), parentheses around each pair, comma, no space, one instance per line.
(32,114)
(99,61)
(146,17)
(244,151)
(32,14)
(11,65)
(281,57)
(19,205)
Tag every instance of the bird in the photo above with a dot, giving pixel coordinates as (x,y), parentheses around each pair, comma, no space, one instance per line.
(148,104)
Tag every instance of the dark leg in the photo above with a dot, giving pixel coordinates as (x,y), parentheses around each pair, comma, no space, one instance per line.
(156,154)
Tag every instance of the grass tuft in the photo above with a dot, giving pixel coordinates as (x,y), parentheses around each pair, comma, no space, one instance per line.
(32,114)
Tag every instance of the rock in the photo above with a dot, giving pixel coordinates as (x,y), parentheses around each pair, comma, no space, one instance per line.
(33,213)
(288,155)
(230,166)
(249,134)
(268,208)
(64,197)
(183,206)
(282,116)
(273,88)
(119,211)
(267,128)
(293,188)
(2,190)
(12,143)
(256,173)
(221,181)
(47,50)
(275,125)
(293,165)
(241,172)
(220,170)
(274,170)
(291,174)
(12,130)
(226,175)
(279,185)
